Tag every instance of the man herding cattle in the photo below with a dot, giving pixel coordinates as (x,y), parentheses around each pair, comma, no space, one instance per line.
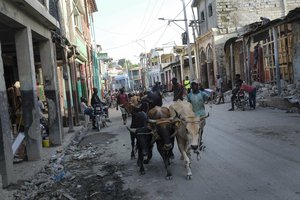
(197,98)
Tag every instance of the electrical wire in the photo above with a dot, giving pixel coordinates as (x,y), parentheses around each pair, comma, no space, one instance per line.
(161,36)
(148,24)
(144,17)
(129,43)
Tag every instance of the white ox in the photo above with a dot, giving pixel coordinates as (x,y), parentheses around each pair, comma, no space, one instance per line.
(188,131)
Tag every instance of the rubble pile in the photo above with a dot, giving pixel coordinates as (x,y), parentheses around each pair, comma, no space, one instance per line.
(79,172)
(267,92)
(289,92)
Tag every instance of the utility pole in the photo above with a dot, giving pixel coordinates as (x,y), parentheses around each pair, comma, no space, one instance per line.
(145,62)
(68,90)
(188,43)
(127,71)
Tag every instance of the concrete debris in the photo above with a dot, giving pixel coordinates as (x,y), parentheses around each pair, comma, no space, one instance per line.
(289,92)
(77,172)
(267,93)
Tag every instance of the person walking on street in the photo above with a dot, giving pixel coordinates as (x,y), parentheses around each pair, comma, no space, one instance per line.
(177,89)
(187,84)
(238,82)
(122,99)
(198,98)
(252,94)
(220,89)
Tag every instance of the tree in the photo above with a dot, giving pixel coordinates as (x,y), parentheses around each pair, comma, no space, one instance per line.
(126,63)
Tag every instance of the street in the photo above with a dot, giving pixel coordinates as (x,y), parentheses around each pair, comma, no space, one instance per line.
(248,155)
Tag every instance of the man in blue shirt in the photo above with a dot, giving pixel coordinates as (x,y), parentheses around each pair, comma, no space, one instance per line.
(197,98)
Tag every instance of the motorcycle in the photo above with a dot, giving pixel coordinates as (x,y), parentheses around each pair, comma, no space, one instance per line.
(242,100)
(100,116)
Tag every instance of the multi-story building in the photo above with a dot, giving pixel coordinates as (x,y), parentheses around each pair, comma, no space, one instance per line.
(28,57)
(219,20)
(135,76)
(76,20)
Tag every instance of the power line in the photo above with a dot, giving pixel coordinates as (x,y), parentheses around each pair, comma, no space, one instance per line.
(144,16)
(126,44)
(161,36)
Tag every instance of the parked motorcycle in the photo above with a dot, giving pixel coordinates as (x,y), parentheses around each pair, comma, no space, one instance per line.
(100,116)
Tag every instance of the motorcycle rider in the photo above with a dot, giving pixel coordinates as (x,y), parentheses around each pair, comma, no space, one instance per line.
(96,101)
(238,82)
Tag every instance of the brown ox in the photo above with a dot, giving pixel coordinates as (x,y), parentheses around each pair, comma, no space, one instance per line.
(188,131)
(162,126)
(135,100)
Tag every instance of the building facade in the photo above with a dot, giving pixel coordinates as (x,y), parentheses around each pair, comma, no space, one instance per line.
(28,54)
(219,20)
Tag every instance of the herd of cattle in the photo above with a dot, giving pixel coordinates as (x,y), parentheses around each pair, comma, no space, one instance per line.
(153,123)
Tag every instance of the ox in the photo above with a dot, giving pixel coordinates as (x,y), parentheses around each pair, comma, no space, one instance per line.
(188,132)
(144,138)
(162,127)
(137,105)
(138,120)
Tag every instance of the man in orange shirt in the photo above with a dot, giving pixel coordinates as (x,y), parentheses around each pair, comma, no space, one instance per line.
(252,94)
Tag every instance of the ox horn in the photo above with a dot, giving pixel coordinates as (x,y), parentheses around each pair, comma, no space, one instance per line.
(145,133)
(133,130)
(152,121)
(204,117)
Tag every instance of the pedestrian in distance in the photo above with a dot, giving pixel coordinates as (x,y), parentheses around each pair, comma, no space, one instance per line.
(220,89)
(187,84)
(177,89)
(122,99)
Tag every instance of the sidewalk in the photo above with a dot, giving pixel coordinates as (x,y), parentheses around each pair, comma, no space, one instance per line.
(27,169)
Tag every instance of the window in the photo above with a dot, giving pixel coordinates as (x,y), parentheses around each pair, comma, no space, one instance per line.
(77,19)
(202,16)
(210,10)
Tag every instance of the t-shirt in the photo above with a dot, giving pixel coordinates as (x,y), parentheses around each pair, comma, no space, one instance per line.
(187,84)
(122,99)
(198,101)
(178,92)
(219,83)
(247,88)
(83,106)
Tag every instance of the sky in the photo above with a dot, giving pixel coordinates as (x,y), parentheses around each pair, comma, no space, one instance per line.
(127,28)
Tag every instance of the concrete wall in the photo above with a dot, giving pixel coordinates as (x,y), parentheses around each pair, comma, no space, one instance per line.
(236,13)
(230,15)
(210,21)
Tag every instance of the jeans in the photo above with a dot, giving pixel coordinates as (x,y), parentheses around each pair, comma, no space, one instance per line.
(90,112)
(252,98)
